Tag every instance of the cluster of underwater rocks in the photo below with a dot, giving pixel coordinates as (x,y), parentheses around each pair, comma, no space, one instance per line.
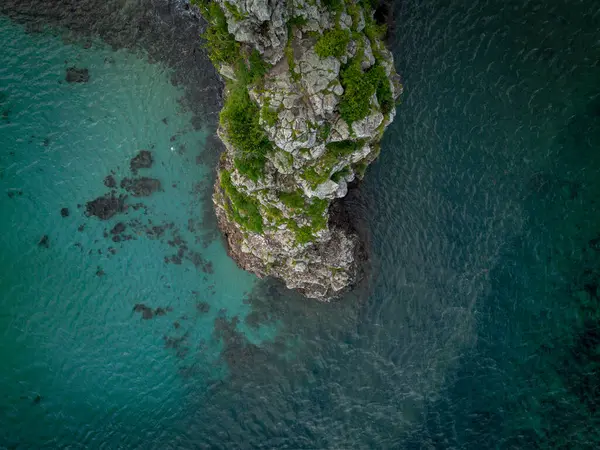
(192,71)
(115,203)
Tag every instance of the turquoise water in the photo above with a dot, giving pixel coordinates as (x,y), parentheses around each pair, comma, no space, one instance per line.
(70,334)
(477,328)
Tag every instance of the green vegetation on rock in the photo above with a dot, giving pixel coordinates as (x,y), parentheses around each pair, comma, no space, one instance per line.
(324,131)
(297,21)
(383,90)
(359,86)
(268,114)
(360,168)
(368,5)
(252,167)
(333,5)
(293,200)
(333,43)
(334,152)
(243,208)
(240,119)
(358,89)
(314,177)
(236,13)
(336,177)
(304,234)
(375,33)
(289,55)
(354,12)
(315,211)
(258,68)
(274,214)
(221,45)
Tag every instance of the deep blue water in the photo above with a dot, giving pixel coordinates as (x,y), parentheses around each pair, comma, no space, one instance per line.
(478,327)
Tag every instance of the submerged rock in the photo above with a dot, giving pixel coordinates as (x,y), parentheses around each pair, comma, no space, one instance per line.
(149,313)
(141,187)
(44,241)
(106,206)
(146,311)
(143,160)
(118,228)
(303,124)
(110,182)
(203,307)
(64,212)
(75,75)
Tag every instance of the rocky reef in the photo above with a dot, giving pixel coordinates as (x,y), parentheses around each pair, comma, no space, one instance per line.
(309,91)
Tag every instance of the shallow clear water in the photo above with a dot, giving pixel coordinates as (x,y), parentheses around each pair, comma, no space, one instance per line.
(70,334)
(478,326)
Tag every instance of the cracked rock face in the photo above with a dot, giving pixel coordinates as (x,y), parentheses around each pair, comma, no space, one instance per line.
(277,223)
(259,23)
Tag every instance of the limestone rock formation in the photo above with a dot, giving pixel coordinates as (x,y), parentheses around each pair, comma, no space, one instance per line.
(310,89)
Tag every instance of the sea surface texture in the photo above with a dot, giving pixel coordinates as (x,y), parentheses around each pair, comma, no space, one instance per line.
(477,326)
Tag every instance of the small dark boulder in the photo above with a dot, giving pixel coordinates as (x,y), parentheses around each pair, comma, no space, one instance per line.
(143,160)
(202,307)
(118,228)
(37,399)
(44,241)
(110,182)
(64,212)
(147,312)
(141,187)
(75,75)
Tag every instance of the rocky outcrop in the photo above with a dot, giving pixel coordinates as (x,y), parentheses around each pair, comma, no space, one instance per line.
(310,89)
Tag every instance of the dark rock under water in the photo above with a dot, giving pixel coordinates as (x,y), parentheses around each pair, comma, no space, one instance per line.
(141,187)
(106,206)
(75,75)
(143,160)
